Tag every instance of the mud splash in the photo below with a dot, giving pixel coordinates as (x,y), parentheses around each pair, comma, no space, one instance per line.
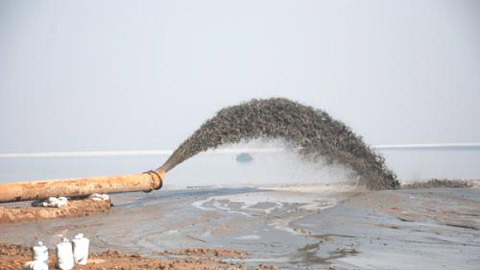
(318,136)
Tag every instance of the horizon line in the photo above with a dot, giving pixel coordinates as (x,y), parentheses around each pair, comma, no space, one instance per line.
(161,152)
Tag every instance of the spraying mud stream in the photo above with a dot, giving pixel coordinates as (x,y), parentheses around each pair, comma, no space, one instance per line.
(317,134)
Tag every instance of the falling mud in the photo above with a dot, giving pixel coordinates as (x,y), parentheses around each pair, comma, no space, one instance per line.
(313,131)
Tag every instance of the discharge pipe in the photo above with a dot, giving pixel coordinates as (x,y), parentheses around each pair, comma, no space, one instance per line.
(80,187)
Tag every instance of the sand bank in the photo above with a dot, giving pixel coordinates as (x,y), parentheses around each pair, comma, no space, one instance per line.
(12,257)
(75,208)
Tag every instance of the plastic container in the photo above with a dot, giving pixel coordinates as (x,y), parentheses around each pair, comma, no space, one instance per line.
(40,252)
(35,265)
(62,201)
(99,197)
(65,255)
(80,249)
(55,202)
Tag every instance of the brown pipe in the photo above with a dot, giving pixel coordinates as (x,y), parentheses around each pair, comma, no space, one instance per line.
(38,190)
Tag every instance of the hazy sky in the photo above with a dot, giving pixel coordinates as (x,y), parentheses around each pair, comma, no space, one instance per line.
(119,75)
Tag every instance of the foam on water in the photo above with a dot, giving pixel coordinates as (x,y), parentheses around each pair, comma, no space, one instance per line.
(249,237)
(273,201)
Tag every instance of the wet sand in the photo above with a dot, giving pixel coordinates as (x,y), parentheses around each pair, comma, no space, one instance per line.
(13,256)
(287,226)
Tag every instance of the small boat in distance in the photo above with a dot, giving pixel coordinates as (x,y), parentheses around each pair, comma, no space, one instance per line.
(244,157)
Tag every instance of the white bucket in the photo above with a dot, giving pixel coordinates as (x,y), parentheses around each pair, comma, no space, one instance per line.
(35,265)
(55,202)
(80,249)
(40,253)
(99,197)
(65,255)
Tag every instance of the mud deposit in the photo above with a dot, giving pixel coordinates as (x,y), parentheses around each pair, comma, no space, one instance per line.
(291,227)
(318,135)
(19,212)
(13,256)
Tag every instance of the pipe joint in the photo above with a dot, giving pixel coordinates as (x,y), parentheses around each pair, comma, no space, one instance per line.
(157,179)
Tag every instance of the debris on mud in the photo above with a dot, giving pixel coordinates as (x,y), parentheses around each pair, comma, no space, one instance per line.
(217,252)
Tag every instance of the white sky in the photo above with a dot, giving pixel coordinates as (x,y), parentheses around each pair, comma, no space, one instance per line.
(120,75)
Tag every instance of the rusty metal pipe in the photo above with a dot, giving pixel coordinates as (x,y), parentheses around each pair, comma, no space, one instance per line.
(79,187)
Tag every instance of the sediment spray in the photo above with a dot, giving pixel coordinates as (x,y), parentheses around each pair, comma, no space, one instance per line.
(313,131)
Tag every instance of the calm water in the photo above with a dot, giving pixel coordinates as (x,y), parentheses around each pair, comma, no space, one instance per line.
(266,168)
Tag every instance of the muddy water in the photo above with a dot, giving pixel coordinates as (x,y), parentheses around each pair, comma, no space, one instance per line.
(292,226)
(409,229)
(256,220)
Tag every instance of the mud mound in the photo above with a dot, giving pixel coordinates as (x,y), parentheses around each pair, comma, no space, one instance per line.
(438,183)
(217,252)
(313,131)
(73,209)
(12,257)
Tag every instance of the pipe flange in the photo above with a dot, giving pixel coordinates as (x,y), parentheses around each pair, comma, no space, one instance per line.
(155,185)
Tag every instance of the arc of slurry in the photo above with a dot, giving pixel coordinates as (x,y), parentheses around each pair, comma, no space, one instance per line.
(313,130)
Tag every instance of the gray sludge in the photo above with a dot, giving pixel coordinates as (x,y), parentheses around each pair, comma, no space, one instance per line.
(312,131)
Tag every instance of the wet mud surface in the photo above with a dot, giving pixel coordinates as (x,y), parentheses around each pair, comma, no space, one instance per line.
(414,229)
(292,227)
